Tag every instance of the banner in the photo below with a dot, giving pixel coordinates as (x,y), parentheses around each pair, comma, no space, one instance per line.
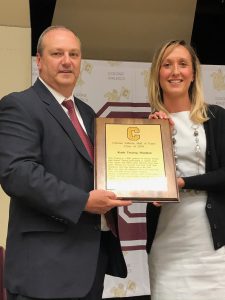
(119,89)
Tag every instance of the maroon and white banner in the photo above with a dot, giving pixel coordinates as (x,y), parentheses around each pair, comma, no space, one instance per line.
(119,89)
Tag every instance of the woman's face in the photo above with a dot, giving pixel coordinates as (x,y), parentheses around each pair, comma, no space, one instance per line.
(176,72)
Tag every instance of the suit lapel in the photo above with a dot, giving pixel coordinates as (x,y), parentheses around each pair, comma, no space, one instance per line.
(57,112)
(86,119)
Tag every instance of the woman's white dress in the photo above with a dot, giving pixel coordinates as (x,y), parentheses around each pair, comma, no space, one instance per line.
(183,264)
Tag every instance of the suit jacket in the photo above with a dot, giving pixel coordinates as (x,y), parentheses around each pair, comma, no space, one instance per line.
(52,244)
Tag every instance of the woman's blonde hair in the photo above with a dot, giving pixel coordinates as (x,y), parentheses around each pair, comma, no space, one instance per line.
(198,113)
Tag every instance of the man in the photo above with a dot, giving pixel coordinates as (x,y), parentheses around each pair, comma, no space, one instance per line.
(56,247)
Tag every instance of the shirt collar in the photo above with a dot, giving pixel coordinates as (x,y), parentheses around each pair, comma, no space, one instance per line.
(60,98)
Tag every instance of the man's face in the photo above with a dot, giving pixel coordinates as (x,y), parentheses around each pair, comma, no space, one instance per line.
(59,64)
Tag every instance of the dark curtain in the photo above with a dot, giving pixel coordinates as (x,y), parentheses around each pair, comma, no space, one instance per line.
(41,14)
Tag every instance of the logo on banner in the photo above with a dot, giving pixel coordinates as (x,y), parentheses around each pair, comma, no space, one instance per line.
(117,95)
(121,290)
(218,79)
(86,67)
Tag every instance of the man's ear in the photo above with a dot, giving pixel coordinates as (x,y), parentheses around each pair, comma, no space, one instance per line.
(38,60)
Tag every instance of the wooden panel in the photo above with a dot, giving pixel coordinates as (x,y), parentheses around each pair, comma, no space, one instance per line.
(126,30)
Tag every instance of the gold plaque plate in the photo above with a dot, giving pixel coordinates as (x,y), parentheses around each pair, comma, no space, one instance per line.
(134,159)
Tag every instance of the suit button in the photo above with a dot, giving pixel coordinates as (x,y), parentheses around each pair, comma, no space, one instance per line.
(209,206)
(214,226)
(97,227)
(218,244)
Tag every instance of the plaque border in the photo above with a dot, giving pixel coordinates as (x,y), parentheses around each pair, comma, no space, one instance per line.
(172,193)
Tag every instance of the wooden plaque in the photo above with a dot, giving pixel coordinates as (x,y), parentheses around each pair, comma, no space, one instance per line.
(134,159)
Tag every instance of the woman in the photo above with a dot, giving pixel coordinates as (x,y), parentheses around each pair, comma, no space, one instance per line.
(186,240)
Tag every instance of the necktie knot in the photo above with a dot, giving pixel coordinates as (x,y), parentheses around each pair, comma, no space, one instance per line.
(68,104)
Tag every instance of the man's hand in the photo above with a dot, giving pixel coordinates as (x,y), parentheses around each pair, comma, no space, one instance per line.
(101,201)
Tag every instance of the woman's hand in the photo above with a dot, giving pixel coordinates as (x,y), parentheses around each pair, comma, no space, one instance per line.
(157,204)
(180,182)
(161,115)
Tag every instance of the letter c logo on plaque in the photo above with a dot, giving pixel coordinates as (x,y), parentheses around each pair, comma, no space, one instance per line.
(132,133)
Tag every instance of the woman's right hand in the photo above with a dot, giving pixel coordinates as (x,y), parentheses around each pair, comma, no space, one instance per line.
(162,116)
(157,204)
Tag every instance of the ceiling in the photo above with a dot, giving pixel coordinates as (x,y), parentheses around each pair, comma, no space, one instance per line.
(131,30)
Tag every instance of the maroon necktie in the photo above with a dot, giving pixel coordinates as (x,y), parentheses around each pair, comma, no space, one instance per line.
(84,137)
(88,145)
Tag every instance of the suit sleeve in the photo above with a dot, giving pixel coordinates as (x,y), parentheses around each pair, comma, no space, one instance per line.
(22,174)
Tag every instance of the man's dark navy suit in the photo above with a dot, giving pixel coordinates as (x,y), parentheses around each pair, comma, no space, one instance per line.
(52,245)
